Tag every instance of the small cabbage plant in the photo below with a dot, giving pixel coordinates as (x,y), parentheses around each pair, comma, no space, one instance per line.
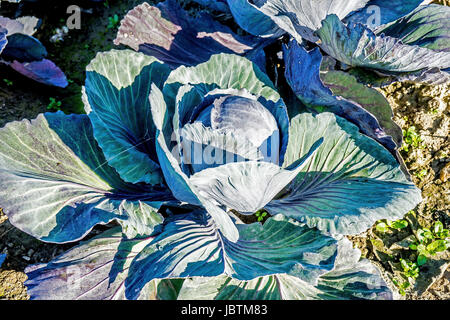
(180,144)
(26,54)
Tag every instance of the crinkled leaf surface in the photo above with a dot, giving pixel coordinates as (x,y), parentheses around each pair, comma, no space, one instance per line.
(300,18)
(170,34)
(356,45)
(340,94)
(348,184)
(351,278)
(427,27)
(43,71)
(117,89)
(55,183)
(94,270)
(378,12)
(26,25)
(222,71)
(190,245)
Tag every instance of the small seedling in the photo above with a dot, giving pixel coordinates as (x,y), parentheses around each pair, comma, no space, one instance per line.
(410,269)
(113,21)
(402,286)
(384,225)
(260,215)
(429,242)
(54,105)
(411,139)
(8,82)
(434,110)
(421,174)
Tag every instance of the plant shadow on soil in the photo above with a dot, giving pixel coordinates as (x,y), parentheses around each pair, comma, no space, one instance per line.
(426,108)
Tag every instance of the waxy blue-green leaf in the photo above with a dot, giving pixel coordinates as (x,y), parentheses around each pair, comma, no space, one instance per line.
(427,27)
(190,245)
(23,48)
(222,71)
(224,74)
(351,278)
(345,85)
(379,12)
(341,94)
(249,17)
(175,178)
(43,71)
(55,183)
(94,270)
(299,18)
(198,140)
(247,186)
(117,89)
(348,184)
(358,46)
(167,32)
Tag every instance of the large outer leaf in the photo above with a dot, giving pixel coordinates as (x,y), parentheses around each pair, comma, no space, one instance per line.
(168,33)
(23,48)
(43,71)
(349,183)
(361,105)
(300,18)
(250,18)
(117,88)
(351,278)
(55,183)
(346,85)
(26,25)
(222,71)
(427,27)
(357,45)
(94,270)
(190,245)
(247,186)
(388,10)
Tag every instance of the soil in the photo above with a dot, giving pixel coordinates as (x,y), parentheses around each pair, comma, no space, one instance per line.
(424,107)
(427,109)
